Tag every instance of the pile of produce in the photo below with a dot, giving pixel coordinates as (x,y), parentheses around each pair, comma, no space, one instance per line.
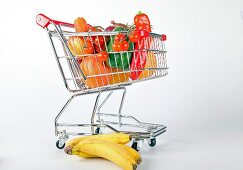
(107,60)
(108,146)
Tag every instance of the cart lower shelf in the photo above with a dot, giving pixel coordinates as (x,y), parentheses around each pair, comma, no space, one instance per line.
(109,122)
(139,131)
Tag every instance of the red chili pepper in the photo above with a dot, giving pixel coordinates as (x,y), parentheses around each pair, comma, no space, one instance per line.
(138,62)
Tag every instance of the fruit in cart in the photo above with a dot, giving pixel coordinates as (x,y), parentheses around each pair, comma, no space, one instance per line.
(102,56)
(120,43)
(151,62)
(119,76)
(80,25)
(124,45)
(92,29)
(119,37)
(134,36)
(80,46)
(110,28)
(116,47)
(95,71)
(120,138)
(113,152)
(99,42)
(119,60)
(120,46)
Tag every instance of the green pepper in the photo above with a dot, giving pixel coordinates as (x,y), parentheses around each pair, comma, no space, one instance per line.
(119,60)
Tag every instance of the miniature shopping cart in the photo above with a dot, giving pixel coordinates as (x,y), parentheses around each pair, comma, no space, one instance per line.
(104,80)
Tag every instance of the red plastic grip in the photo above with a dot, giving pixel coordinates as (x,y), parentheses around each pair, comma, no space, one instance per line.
(163,37)
(44,21)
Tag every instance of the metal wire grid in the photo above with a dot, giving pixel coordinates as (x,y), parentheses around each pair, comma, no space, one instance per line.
(73,77)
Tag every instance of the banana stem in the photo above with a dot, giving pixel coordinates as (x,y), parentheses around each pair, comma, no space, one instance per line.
(68,150)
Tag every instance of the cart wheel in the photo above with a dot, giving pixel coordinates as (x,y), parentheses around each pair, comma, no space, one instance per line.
(135,146)
(97,130)
(152,142)
(59,145)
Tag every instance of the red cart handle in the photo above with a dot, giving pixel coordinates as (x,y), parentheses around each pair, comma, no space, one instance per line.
(44,21)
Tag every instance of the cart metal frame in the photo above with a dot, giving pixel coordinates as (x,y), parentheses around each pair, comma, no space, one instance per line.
(75,85)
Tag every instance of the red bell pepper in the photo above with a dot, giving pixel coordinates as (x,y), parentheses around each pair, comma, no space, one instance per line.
(142,22)
(138,62)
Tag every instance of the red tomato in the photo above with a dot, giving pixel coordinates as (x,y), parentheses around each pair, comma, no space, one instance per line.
(124,46)
(102,56)
(134,36)
(92,29)
(99,41)
(116,46)
(119,37)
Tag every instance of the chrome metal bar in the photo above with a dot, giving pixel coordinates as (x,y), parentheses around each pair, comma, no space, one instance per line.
(106,33)
(121,105)
(57,60)
(130,125)
(87,125)
(124,116)
(69,52)
(106,74)
(60,113)
(70,65)
(95,108)
(102,104)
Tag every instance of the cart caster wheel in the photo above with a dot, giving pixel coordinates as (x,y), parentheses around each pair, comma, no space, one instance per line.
(97,130)
(152,142)
(59,145)
(135,146)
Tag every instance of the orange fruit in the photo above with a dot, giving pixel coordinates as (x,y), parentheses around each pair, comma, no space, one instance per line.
(91,66)
(80,46)
(118,77)
(151,62)
(80,25)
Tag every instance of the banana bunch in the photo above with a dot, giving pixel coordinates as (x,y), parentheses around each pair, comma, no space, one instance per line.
(109,146)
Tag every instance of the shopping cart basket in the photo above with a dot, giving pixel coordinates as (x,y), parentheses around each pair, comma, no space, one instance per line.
(83,74)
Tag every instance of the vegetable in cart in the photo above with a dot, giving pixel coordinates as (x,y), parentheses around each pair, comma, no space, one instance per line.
(142,23)
(119,60)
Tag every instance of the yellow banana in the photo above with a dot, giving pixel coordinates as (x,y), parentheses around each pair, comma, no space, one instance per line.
(68,150)
(134,153)
(120,138)
(107,150)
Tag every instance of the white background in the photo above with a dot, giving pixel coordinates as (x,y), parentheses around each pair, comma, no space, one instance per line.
(200,101)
